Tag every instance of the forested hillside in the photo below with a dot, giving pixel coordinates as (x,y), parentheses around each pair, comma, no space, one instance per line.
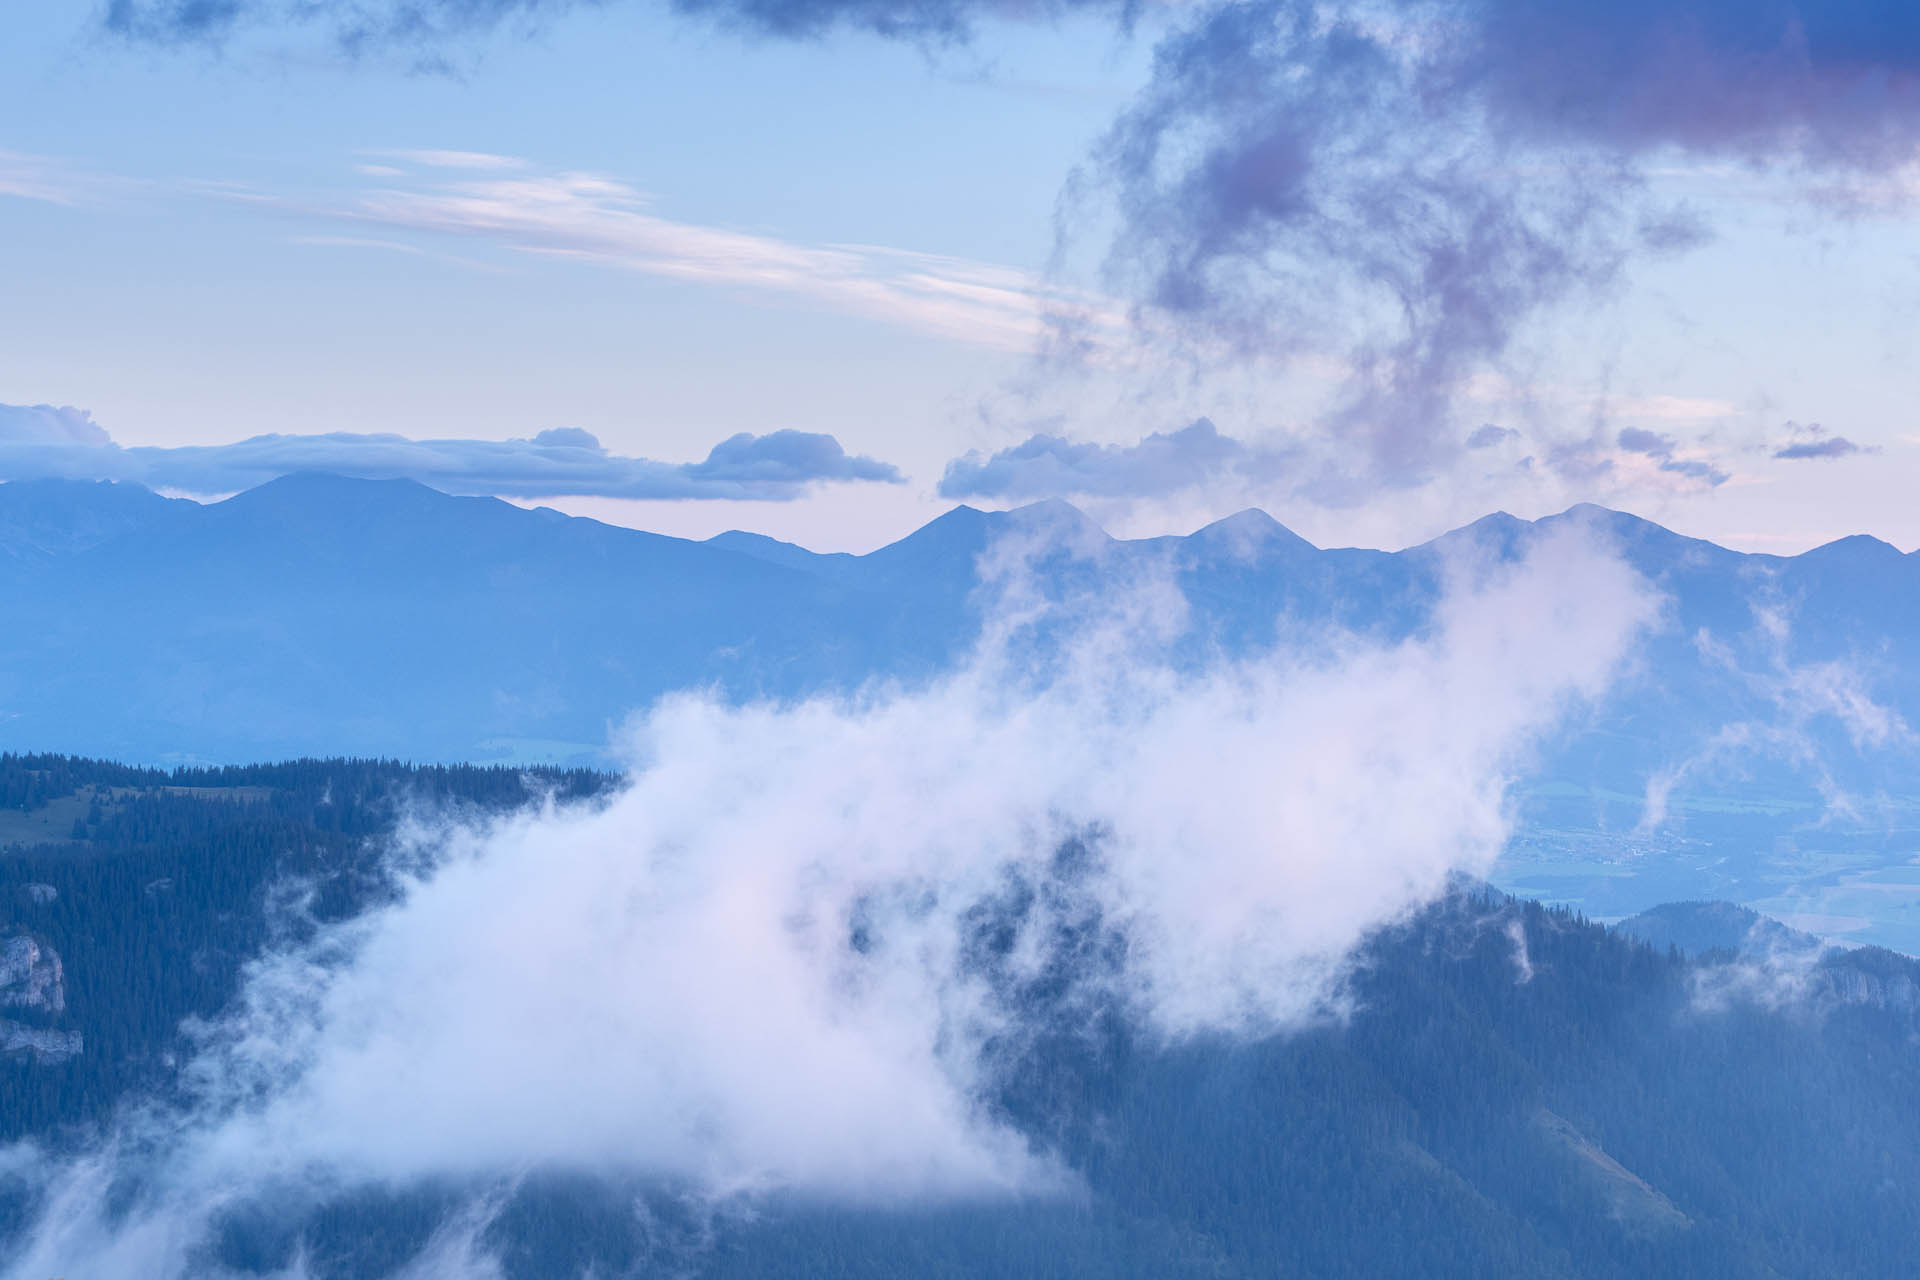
(151,888)
(1511,1090)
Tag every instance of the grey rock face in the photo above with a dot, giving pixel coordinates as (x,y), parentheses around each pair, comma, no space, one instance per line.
(1881,988)
(32,981)
(30,975)
(46,1046)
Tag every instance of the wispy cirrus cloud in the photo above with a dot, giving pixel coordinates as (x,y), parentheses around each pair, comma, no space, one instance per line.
(47,441)
(53,181)
(439,158)
(510,203)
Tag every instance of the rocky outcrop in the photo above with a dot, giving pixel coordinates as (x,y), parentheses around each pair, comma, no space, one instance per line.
(1868,976)
(47,1046)
(30,975)
(33,983)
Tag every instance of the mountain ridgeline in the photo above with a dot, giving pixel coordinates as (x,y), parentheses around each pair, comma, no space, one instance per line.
(319,615)
(1516,1091)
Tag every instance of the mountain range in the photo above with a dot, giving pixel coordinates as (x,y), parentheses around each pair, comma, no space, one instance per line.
(317,615)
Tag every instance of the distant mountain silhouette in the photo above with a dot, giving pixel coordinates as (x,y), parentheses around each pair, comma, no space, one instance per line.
(318,615)
(1697,928)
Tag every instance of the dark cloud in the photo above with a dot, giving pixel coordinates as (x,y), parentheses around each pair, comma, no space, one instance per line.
(1165,462)
(1827,81)
(359,27)
(1808,440)
(1661,448)
(1652,443)
(1696,469)
(42,441)
(1831,447)
(1447,170)
(1489,435)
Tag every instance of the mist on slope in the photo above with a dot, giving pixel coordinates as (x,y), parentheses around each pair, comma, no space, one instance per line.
(788,954)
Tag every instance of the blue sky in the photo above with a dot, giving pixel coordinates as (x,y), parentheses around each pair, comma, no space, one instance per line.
(668,231)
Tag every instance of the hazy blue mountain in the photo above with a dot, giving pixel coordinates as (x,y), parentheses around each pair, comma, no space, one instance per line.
(317,615)
(1699,927)
(48,520)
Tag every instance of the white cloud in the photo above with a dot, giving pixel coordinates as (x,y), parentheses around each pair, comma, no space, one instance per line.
(443,159)
(26,177)
(599,219)
(1799,695)
(55,181)
(760,964)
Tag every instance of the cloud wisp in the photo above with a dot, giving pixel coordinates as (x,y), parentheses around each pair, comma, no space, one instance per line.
(593,218)
(1803,697)
(1662,448)
(53,181)
(861,891)
(48,442)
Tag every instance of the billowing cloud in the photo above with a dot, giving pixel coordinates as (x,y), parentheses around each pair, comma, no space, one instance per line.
(49,425)
(40,441)
(1447,170)
(799,948)
(1163,463)
(1489,434)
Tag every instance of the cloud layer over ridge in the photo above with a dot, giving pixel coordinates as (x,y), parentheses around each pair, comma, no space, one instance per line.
(44,441)
(812,885)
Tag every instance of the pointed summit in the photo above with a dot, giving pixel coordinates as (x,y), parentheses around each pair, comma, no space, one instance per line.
(1250,531)
(1053,516)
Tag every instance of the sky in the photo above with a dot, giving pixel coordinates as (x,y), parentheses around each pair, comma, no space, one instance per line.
(824,268)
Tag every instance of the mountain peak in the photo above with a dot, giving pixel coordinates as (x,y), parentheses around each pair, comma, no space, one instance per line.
(1862,546)
(1250,530)
(327,484)
(1051,513)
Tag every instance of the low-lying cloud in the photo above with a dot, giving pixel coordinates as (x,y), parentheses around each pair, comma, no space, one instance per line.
(1161,464)
(44,441)
(778,958)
